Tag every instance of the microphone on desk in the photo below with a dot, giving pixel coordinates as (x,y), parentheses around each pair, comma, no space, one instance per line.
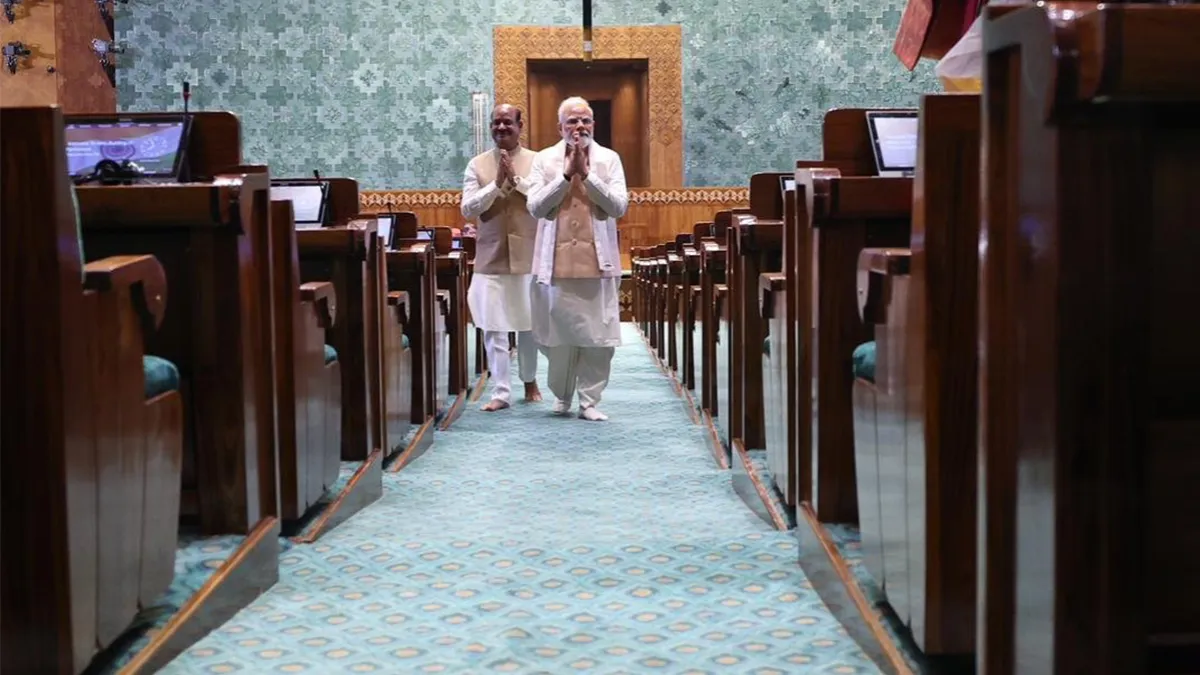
(184,173)
(316,174)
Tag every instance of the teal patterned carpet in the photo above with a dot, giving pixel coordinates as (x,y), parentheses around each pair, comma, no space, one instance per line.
(527,543)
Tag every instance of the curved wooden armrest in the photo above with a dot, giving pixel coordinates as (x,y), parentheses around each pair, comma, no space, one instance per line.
(399,300)
(323,297)
(142,274)
(876,269)
(769,283)
(887,261)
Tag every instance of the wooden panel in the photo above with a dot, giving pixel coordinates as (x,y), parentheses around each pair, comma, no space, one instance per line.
(83,86)
(940,376)
(622,83)
(654,215)
(31,84)
(1088,369)
(342,255)
(91,468)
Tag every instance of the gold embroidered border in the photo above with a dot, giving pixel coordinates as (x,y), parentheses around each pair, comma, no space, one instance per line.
(400,200)
(661,46)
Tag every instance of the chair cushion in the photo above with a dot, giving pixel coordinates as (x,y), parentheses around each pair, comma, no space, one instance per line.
(161,376)
(864,361)
(330,354)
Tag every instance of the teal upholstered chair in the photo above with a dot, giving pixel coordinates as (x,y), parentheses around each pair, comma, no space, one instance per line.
(864,361)
(161,376)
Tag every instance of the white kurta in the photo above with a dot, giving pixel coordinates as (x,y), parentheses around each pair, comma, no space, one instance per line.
(577,313)
(500,302)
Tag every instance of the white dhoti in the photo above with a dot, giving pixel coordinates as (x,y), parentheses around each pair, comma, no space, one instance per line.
(500,304)
(577,323)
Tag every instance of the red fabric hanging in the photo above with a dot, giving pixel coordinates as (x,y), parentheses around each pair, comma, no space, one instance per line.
(929,28)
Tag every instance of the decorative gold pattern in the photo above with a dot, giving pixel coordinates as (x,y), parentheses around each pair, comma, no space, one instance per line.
(661,46)
(372,201)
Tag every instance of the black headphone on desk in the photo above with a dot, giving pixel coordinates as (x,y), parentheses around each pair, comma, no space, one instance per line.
(112,172)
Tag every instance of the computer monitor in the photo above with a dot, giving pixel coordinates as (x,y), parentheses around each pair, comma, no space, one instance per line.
(786,183)
(308,200)
(424,234)
(894,140)
(383,226)
(456,244)
(155,143)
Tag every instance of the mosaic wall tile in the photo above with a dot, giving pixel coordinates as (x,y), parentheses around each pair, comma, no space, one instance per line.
(381,89)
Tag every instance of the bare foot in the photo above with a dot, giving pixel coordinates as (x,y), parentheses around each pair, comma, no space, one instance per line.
(494,405)
(532,393)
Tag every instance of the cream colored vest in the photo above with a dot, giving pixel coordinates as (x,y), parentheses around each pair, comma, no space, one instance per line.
(506,233)
(575,241)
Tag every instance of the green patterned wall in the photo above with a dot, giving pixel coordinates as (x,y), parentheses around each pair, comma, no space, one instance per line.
(381,89)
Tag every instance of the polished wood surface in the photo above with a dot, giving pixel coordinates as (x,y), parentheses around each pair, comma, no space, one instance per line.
(411,270)
(215,247)
(755,245)
(452,280)
(343,255)
(309,390)
(940,377)
(915,422)
(91,468)
(617,91)
(848,161)
(848,215)
(1089,407)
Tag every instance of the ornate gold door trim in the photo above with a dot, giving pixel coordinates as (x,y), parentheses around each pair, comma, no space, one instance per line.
(661,46)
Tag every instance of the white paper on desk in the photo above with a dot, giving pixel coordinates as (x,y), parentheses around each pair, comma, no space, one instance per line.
(961,69)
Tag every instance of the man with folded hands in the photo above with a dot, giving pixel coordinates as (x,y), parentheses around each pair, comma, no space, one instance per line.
(495,186)
(577,192)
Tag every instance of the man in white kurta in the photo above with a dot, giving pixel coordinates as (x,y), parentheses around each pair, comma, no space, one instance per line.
(494,188)
(577,192)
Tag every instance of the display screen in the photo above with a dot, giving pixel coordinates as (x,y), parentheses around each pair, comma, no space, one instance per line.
(308,202)
(156,146)
(895,138)
(383,226)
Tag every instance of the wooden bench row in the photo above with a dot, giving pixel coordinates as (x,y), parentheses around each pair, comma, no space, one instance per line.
(983,369)
(182,364)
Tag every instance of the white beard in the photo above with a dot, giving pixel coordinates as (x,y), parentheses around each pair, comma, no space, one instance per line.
(584,141)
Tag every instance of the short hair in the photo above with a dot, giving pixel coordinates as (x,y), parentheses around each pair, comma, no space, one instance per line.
(573,102)
(516,111)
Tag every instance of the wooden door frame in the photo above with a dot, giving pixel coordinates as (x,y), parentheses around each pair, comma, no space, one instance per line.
(660,46)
